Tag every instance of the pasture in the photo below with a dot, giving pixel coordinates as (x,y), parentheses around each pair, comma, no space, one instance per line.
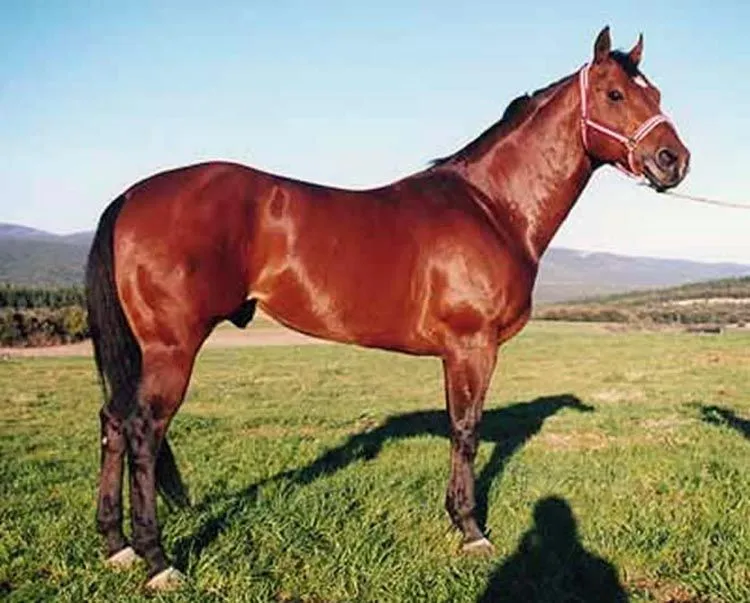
(612,466)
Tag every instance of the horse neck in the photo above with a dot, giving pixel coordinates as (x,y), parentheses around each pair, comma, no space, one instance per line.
(534,174)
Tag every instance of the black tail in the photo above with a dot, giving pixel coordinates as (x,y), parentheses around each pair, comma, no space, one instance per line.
(116,351)
(168,480)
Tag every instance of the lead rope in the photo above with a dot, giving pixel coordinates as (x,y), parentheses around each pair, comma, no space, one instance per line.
(702,199)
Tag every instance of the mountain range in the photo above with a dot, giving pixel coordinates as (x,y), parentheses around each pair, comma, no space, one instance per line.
(35,257)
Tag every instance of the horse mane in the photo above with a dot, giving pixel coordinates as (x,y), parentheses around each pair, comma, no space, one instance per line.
(514,115)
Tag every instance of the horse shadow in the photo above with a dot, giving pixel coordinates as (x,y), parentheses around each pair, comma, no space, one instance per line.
(716,415)
(508,427)
(551,565)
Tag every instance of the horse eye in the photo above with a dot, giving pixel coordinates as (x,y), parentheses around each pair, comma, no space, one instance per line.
(615,95)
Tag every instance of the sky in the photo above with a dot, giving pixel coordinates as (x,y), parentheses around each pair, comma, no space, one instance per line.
(95,96)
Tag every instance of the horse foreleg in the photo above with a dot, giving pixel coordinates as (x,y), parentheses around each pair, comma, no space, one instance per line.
(468,369)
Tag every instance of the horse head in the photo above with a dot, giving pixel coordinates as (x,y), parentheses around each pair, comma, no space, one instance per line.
(621,118)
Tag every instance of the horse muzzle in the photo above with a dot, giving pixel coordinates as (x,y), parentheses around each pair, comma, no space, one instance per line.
(666,167)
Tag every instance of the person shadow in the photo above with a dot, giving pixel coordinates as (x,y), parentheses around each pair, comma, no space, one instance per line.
(717,415)
(508,427)
(551,565)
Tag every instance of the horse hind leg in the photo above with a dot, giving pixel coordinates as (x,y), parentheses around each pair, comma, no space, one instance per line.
(161,392)
(113,420)
(109,505)
(166,372)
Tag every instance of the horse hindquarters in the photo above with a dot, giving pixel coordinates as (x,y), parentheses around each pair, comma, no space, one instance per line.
(145,379)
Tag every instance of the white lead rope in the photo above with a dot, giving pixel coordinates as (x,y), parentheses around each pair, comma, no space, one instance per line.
(703,199)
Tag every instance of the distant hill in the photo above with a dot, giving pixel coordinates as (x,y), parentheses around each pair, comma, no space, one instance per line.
(16,231)
(567,274)
(34,257)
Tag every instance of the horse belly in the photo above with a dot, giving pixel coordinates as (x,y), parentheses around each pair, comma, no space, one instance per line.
(340,303)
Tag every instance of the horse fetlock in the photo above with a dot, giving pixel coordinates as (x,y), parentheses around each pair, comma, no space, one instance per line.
(151,551)
(460,509)
(114,539)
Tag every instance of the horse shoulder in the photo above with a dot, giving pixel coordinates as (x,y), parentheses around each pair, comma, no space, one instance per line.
(480,281)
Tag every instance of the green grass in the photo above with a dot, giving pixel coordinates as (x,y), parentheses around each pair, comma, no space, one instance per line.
(318,474)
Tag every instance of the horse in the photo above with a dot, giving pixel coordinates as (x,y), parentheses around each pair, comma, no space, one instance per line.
(440,263)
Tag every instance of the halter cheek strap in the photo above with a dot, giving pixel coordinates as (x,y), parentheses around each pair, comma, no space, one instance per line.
(630,142)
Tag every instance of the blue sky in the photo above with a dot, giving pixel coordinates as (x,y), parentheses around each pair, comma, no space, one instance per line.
(97,95)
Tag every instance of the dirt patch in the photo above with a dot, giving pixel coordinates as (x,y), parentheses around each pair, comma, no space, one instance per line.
(576,440)
(652,431)
(667,592)
(221,338)
(665,424)
(722,358)
(278,431)
(617,395)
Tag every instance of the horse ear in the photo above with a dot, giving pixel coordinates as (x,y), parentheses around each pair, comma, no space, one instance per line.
(636,52)
(602,46)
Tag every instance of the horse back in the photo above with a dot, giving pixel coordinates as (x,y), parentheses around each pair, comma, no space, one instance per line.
(385,267)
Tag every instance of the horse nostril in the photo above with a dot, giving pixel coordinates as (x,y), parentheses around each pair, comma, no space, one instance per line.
(666,158)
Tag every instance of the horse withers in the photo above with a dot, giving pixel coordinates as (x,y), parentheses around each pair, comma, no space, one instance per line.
(441,263)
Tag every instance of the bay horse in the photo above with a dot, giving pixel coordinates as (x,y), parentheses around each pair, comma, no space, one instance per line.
(441,263)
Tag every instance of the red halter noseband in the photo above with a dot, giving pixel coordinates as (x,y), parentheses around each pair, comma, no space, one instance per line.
(630,142)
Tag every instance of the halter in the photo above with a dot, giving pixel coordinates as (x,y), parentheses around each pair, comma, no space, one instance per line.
(630,142)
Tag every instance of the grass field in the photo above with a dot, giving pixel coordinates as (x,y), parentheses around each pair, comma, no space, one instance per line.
(613,466)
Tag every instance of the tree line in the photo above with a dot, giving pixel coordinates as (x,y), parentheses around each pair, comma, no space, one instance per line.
(22,298)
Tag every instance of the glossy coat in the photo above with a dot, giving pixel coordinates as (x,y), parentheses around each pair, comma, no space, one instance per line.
(441,263)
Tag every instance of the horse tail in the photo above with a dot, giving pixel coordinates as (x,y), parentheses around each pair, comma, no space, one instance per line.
(168,479)
(116,351)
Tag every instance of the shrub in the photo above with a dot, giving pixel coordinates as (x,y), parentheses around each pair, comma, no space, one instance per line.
(21,328)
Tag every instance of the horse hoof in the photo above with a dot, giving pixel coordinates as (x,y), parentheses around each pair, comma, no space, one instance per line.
(167,580)
(122,559)
(481,546)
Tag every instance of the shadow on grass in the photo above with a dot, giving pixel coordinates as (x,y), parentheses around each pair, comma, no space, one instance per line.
(716,415)
(551,565)
(509,427)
